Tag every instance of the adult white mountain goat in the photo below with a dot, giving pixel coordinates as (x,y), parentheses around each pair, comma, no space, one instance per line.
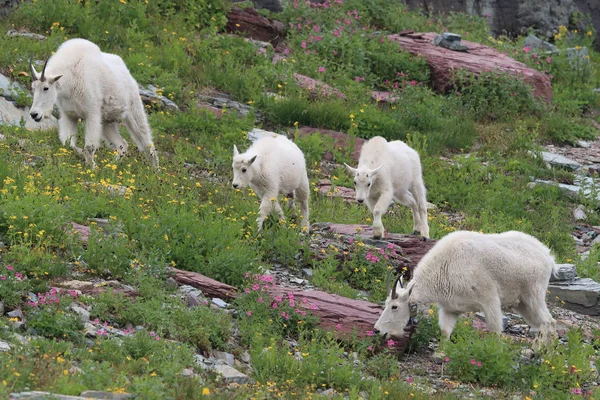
(470,271)
(390,171)
(96,87)
(273,165)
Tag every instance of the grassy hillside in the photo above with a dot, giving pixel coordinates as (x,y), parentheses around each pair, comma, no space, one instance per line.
(476,145)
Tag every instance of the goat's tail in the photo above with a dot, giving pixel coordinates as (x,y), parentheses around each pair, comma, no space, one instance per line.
(555,267)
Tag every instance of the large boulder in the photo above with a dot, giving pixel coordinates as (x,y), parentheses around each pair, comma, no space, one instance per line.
(478,58)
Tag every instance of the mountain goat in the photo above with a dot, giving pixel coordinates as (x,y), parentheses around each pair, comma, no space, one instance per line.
(390,171)
(273,165)
(470,271)
(96,87)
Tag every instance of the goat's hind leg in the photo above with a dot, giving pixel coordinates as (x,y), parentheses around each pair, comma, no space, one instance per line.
(112,137)
(93,134)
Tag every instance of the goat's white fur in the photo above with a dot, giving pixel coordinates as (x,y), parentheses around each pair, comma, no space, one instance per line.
(273,165)
(469,271)
(96,87)
(390,171)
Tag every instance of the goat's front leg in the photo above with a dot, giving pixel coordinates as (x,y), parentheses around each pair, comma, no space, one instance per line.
(67,131)
(378,209)
(93,134)
(268,204)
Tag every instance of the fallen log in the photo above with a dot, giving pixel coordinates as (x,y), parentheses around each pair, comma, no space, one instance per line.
(209,286)
(254,25)
(479,58)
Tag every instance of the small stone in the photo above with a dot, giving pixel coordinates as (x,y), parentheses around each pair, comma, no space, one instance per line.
(203,362)
(219,303)
(307,272)
(565,272)
(192,301)
(579,213)
(84,315)
(227,358)
(187,372)
(298,281)
(557,160)
(95,394)
(230,374)
(17,325)
(245,357)
(90,330)
(171,284)
(583,144)
(481,316)
(4,346)
(517,329)
(76,285)
(16,314)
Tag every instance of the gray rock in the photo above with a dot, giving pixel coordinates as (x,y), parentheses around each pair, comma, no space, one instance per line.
(17,325)
(573,191)
(36,395)
(579,213)
(227,358)
(10,90)
(95,394)
(297,281)
(192,301)
(149,96)
(566,272)
(171,284)
(4,346)
(578,58)
(187,372)
(90,330)
(535,43)
(257,133)
(580,295)
(219,303)
(245,357)
(481,316)
(84,315)
(16,314)
(583,144)
(556,160)
(191,290)
(231,375)
(21,339)
(449,41)
(15,33)
(203,363)
(307,272)
(225,103)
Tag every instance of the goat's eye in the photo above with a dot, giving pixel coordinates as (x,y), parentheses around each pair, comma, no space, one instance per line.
(369,184)
(45,89)
(355,182)
(394,307)
(244,169)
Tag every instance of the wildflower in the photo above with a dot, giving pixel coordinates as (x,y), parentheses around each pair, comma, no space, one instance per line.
(526,49)
(260,300)
(576,391)
(152,334)
(473,361)
(10,268)
(410,379)
(370,333)
(249,313)
(549,60)
(479,363)
(338,326)
(255,286)
(205,391)
(321,69)
(447,359)
(303,44)
(391,343)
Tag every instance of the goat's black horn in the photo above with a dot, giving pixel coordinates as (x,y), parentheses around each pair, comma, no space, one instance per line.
(396,282)
(42,77)
(33,73)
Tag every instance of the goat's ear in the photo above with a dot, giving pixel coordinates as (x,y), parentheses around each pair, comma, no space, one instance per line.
(235,151)
(54,79)
(374,172)
(350,169)
(252,160)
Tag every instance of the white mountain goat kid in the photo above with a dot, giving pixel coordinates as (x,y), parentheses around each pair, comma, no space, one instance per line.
(390,171)
(273,165)
(96,87)
(470,271)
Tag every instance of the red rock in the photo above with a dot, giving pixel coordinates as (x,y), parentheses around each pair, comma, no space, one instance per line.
(316,87)
(341,139)
(217,112)
(325,187)
(254,25)
(83,232)
(208,285)
(478,59)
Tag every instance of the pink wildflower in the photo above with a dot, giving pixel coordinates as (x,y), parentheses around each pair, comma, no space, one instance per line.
(391,343)
(338,326)
(479,363)
(321,69)
(410,379)
(152,334)
(285,315)
(2,278)
(447,359)
(248,313)
(247,290)
(256,286)
(274,305)
(156,337)
(390,245)
(526,49)
(369,348)
(303,44)
(473,361)
(10,268)
(260,300)
(370,333)
(576,391)
(549,60)
(278,299)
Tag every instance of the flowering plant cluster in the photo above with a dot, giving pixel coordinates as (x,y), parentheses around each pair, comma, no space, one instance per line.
(12,286)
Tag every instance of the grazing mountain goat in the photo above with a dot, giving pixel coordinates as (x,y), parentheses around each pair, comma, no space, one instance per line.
(273,165)
(470,271)
(96,87)
(390,171)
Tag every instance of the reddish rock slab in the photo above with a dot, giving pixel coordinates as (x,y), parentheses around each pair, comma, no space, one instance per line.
(254,25)
(340,139)
(217,112)
(325,187)
(83,232)
(209,286)
(478,59)
(316,87)
(412,247)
